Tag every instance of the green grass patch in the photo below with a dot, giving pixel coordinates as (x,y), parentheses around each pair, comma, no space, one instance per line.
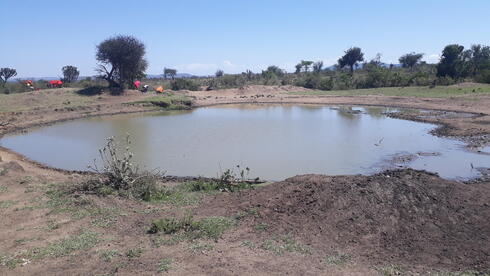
(24,240)
(206,228)
(284,244)
(200,247)
(3,189)
(6,204)
(249,244)
(389,270)
(169,101)
(134,253)
(261,227)
(64,247)
(44,99)
(252,212)
(337,258)
(164,265)
(412,91)
(109,255)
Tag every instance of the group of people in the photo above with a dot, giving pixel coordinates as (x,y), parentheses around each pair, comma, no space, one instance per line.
(145,87)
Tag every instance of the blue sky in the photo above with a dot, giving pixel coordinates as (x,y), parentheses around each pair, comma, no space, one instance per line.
(198,37)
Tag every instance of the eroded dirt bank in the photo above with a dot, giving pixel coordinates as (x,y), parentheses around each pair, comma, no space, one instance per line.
(402,222)
(405,216)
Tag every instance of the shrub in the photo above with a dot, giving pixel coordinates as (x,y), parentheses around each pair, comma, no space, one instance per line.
(119,175)
(483,76)
(183,84)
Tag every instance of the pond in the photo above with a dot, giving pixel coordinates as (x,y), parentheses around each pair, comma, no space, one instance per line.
(274,141)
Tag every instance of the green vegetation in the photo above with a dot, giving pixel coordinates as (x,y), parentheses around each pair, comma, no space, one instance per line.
(64,247)
(338,258)
(390,270)
(134,253)
(436,92)
(6,204)
(261,226)
(70,73)
(200,247)
(168,101)
(169,72)
(280,245)
(6,74)
(164,265)
(206,228)
(3,189)
(184,84)
(109,255)
(351,58)
(121,60)
(119,175)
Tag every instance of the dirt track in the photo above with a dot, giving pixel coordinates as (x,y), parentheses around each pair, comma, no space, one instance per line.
(408,218)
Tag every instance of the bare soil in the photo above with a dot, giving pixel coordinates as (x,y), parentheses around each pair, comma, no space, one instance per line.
(401,222)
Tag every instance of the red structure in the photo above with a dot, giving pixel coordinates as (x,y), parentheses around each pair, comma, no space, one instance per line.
(55,84)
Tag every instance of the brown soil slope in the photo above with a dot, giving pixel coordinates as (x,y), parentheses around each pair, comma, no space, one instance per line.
(403,216)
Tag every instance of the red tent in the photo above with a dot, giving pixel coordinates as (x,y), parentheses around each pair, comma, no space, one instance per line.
(137,84)
(55,83)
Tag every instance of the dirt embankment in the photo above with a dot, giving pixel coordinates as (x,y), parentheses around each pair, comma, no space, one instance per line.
(405,217)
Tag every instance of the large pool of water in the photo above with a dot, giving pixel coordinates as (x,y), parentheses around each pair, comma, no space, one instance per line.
(274,141)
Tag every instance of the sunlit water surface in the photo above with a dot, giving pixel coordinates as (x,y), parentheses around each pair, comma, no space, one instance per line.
(275,141)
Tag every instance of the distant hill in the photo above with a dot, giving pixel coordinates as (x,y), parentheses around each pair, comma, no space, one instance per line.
(179,76)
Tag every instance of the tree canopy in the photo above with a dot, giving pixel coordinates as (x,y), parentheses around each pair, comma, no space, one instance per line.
(169,72)
(7,73)
(351,58)
(70,73)
(451,63)
(410,60)
(121,60)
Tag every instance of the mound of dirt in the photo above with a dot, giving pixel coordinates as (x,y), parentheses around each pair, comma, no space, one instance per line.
(402,216)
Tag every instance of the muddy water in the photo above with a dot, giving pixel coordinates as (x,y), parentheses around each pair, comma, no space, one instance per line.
(275,141)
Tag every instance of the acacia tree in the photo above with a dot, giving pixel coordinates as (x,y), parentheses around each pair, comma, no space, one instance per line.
(5,74)
(298,68)
(219,73)
(121,60)
(410,60)
(305,64)
(70,73)
(169,72)
(351,58)
(317,67)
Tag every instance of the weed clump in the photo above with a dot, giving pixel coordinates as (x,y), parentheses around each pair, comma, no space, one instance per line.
(119,175)
(210,228)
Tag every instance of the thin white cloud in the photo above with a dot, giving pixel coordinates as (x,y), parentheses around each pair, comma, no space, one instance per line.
(432,58)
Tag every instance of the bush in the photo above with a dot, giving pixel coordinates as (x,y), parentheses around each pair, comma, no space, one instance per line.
(119,175)
(483,76)
(210,228)
(183,84)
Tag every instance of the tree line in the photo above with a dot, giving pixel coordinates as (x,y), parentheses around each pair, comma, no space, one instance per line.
(121,61)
